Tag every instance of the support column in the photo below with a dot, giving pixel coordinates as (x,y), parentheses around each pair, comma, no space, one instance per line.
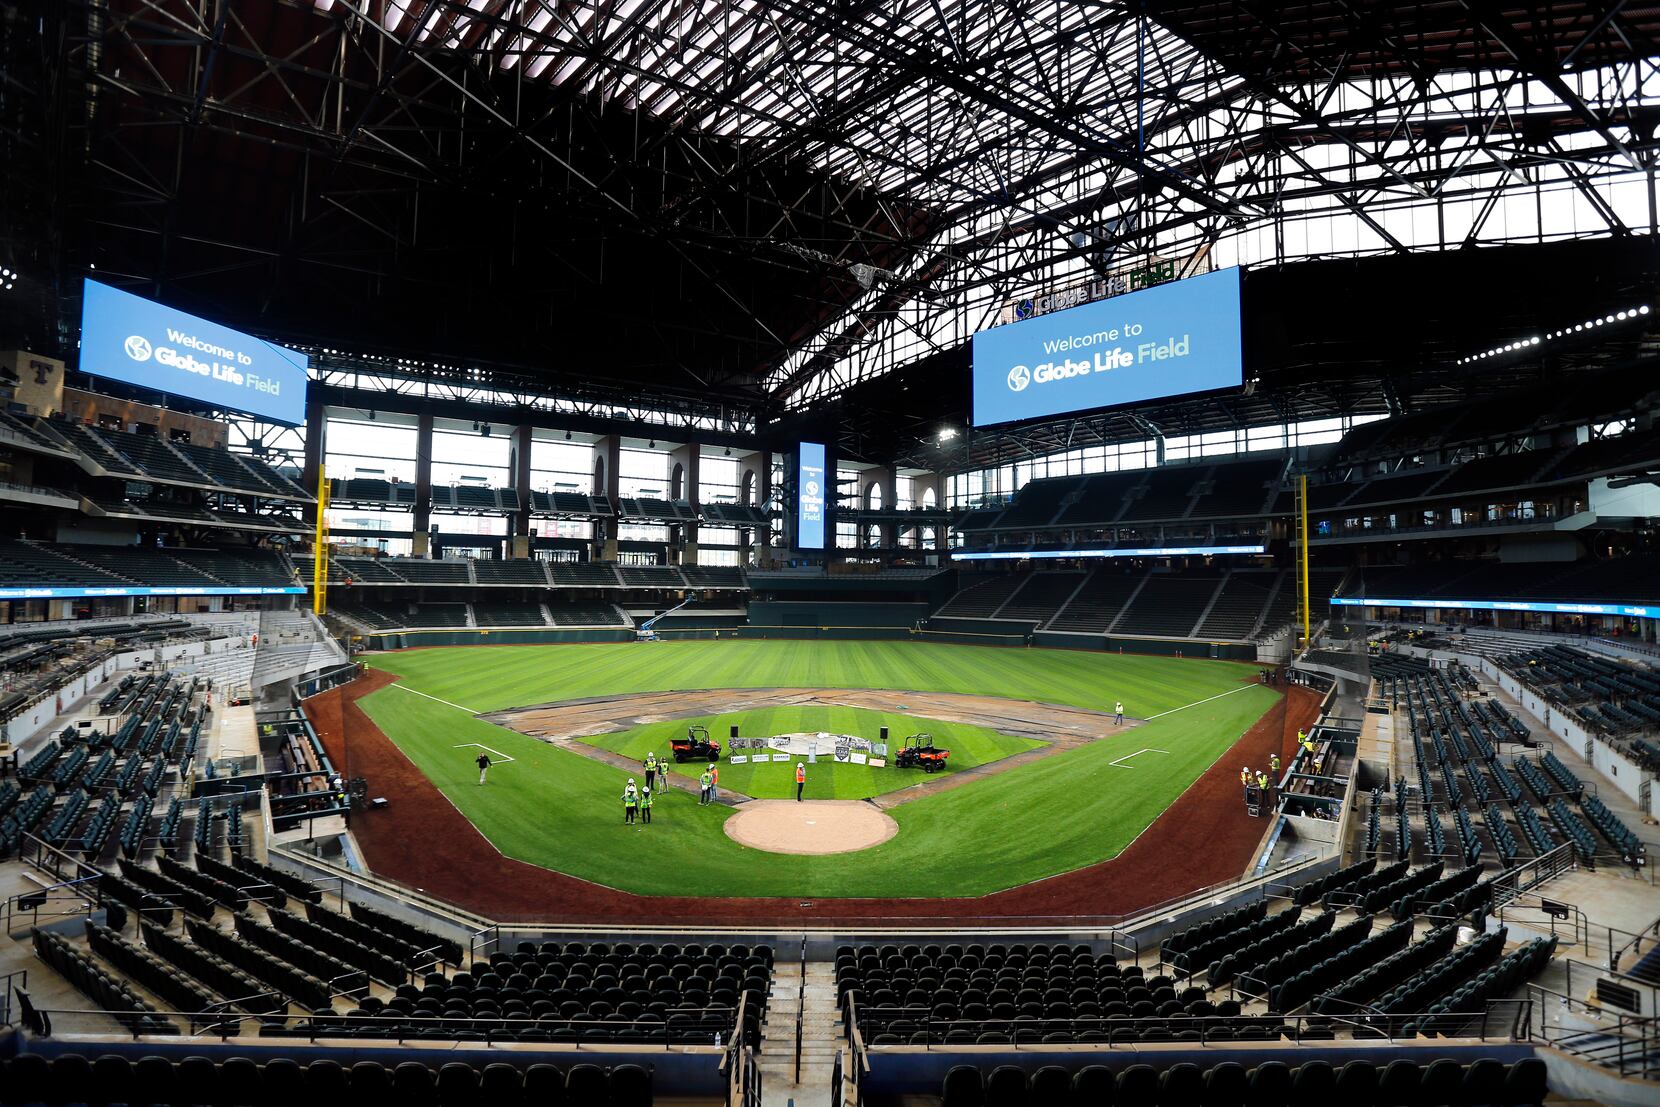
(928,491)
(685,475)
(887,480)
(422,540)
(754,490)
(316,448)
(607,460)
(518,470)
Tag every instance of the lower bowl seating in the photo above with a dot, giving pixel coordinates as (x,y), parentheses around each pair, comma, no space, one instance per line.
(72,1078)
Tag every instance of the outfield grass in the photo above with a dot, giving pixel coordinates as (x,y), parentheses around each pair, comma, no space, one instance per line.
(559,809)
(970,746)
(491,678)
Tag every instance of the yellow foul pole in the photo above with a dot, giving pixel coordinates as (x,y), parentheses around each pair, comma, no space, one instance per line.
(320,563)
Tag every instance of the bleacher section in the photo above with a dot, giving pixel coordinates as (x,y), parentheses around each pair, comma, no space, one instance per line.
(30,563)
(501,614)
(651,576)
(421,571)
(112,1078)
(1099,602)
(1041,596)
(1238,607)
(1228,490)
(1168,605)
(978,599)
(522,571)
(484,613)
(583,574)
(1609,697)
(272,946)
(594,615)
(1267,1083)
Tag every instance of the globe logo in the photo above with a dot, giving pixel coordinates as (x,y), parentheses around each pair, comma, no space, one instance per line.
(1019,378)
(811,489)
(138,347)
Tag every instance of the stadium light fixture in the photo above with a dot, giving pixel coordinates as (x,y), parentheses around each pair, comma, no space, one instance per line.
(1622,316)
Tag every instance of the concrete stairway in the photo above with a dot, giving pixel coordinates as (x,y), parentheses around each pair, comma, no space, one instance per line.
(821,1037)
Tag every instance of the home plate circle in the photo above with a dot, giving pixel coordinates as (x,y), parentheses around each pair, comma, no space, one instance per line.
(810,827)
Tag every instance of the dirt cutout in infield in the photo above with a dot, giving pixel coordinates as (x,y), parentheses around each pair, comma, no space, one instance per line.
(422,841)
(810,827)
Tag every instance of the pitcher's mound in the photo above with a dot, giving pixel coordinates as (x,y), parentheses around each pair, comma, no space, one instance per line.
(812,826)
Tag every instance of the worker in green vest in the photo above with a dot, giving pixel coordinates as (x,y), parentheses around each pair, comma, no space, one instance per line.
(651,770)
(645,805)
(631,802)
(705,782)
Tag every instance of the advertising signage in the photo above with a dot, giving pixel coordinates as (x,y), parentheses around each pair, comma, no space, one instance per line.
(1170,340)
(1144,551)
(140,342)
(31,592)
(810,496)
(1641,611)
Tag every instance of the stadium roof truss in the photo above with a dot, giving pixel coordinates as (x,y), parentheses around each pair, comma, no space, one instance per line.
(963,153)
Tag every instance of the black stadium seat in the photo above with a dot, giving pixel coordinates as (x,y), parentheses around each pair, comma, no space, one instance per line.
(198,1081)
(965,1087)
(1313,1083)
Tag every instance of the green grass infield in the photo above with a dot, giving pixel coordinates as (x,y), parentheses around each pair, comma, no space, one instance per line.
(970,746)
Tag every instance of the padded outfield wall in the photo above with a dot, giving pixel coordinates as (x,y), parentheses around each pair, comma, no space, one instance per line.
(967,632)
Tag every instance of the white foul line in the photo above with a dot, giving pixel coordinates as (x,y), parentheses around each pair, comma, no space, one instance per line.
(446,703)
(1185,706)
(500,757)
(1127,756)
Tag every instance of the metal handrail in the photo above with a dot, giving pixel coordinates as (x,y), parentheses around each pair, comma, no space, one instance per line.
(1636,941)
(1634,1040)
(33,902)
(1367,1023)
(800,1008)
(14,981)
(320,1025)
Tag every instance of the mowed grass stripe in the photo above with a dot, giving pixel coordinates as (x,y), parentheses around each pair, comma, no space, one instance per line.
(514,676)
(559,809)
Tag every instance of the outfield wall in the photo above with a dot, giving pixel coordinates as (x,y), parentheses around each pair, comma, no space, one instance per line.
(962,632)
(1162,647)
(470,636)
(830,613)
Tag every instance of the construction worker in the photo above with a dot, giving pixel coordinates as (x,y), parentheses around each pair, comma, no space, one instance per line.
(800,779)
(714,783)
(1118,714)
(1245,778)
(1274,766)
(1262,783)
(705,785)
(645,804)
(631,802)
(651,770)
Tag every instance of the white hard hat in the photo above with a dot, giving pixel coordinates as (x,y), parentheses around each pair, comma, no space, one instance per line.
(631,780)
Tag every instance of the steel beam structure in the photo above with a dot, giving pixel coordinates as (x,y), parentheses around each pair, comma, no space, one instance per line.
(800,196)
